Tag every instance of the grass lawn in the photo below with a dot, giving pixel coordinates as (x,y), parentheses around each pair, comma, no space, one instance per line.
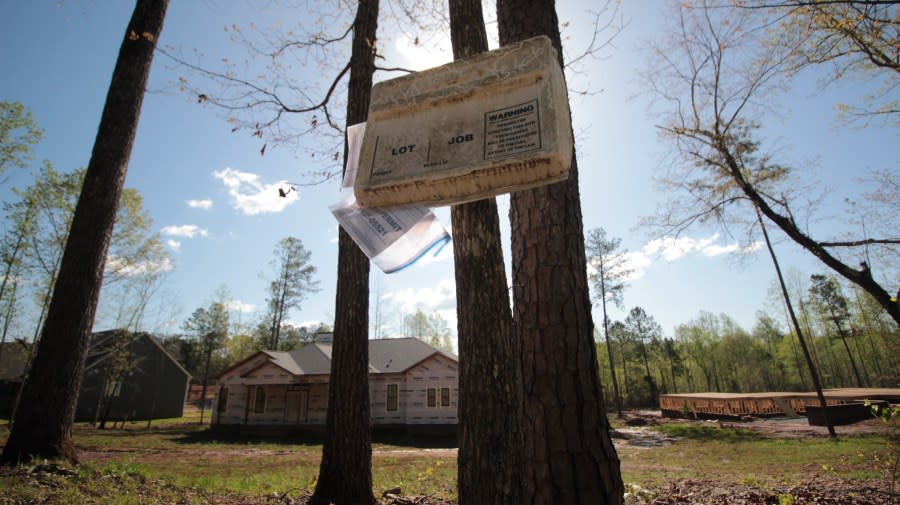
(745,457)
(179,461)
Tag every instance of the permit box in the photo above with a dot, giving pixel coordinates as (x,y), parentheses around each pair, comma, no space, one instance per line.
(490,124)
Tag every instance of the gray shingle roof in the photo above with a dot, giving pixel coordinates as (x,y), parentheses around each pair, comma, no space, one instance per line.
(310,359)
(391,355)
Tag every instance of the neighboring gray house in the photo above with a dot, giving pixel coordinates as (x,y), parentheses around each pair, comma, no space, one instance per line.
(151,385)
(411,385)
(13,356)
(140,379)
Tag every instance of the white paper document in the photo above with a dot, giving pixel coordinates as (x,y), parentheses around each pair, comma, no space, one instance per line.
(393,238)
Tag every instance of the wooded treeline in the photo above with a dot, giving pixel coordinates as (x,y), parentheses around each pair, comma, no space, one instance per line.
(853,343)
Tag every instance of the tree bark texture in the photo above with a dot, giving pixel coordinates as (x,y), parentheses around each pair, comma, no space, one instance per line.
(569,456)
(43,423)
(490,377)
(345,473)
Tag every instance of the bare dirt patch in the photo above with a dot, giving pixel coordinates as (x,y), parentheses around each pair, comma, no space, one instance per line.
(773,427)
(821,492)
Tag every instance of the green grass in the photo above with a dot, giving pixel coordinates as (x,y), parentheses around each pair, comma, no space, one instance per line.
(729,458)
(180,459)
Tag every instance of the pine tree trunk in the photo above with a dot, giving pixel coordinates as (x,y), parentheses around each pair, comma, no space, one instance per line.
(569,456)
(345,473)
(859,381)
(490,377)
(43,424)
(609,351)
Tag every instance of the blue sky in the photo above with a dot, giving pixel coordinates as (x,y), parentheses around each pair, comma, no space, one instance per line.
(213,197)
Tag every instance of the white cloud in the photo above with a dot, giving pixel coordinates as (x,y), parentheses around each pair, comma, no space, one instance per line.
(438,298)
(200,204)
(672,249)
(638,262)
(716,250)
(309,325)
(239,306)
(124,269)
(185,230)
(419,56)
(173,244)
(251,196)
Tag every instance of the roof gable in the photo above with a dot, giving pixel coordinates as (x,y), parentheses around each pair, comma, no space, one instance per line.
(394,355)
(105,343)
(390,355)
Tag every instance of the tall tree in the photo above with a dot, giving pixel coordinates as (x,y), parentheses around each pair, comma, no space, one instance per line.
(568,454)
(293,281)
(18,133)
(827,293)
(36,240)
(607,273)
(57,370)
(345,473)
(646,332)
(490,377)
(712,74)
(209,328)
(857,38)
(417,325)
(813,372)
(53,195)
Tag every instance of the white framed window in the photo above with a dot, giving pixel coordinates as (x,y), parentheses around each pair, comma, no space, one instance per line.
(223,399)
(393,393)
(259,404)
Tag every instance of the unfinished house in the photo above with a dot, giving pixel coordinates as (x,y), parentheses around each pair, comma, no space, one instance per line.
(412,387)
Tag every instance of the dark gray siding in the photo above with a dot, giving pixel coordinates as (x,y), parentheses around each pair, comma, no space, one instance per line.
(153,389)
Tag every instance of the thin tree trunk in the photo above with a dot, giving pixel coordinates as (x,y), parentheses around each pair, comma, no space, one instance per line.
(569,456)
(490,377)
(11,260)
(836,365)
(820,363)
(860,353)
(10,311)
(787,300)
(672,370)
(859,381)
(278,311)
(876,357)
(609,353)
(56,375)
(209,346)
(797,362)
(345,473)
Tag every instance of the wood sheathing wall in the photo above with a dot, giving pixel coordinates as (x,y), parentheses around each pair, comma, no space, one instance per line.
(302,400)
